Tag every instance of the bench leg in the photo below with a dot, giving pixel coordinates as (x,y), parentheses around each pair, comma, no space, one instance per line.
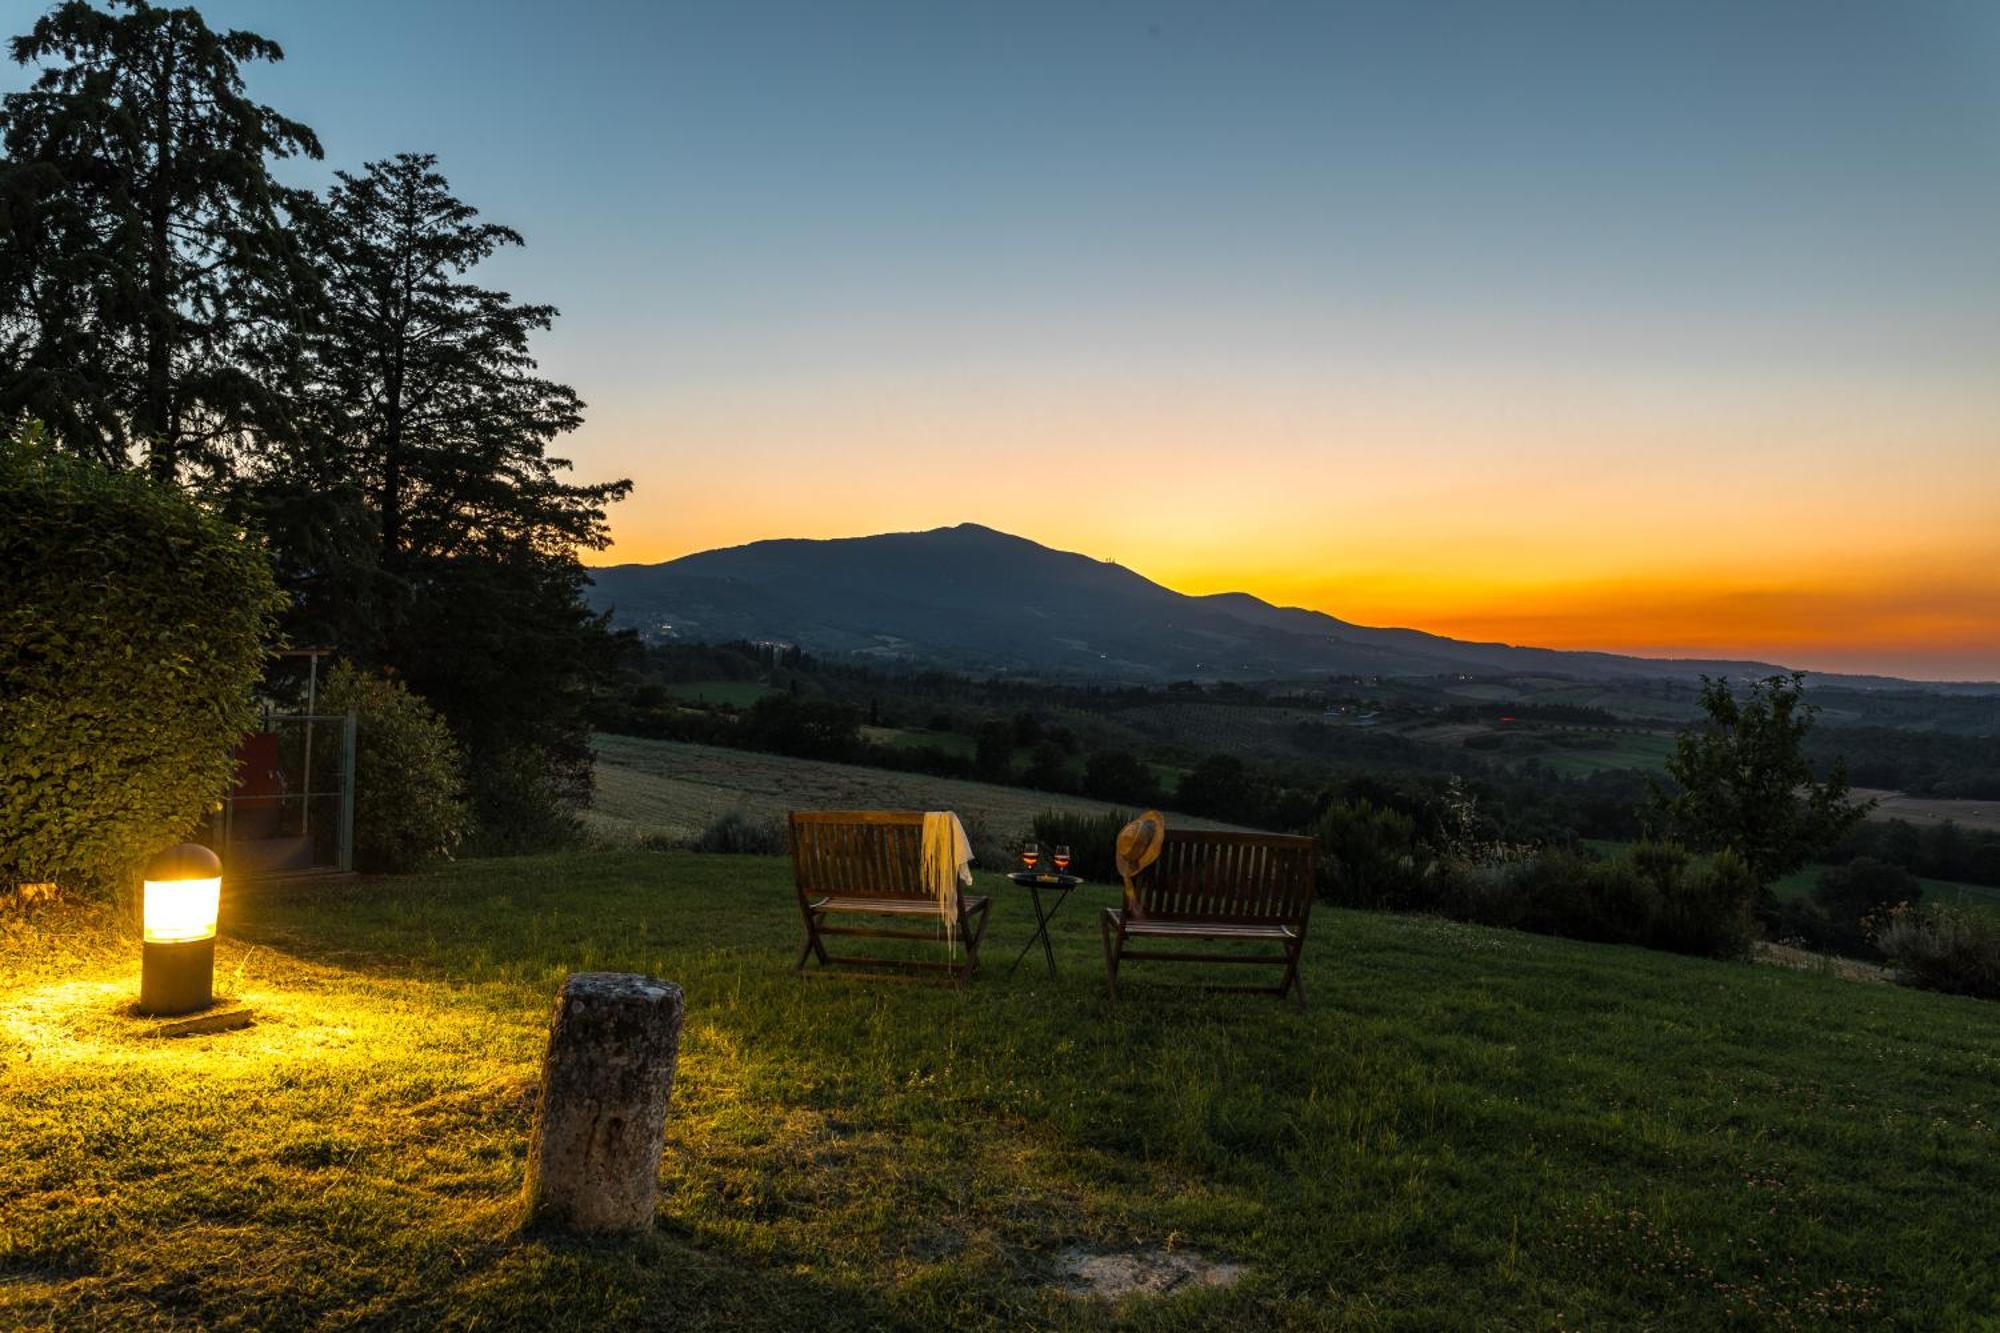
(1295,981)
(812,944)
(1111,952)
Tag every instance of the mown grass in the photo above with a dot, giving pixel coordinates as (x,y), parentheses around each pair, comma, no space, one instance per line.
(920,738)
(1469,1127)
(734,693)
(1950,892)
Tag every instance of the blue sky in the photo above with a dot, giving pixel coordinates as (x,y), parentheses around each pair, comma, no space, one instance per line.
(1492,318)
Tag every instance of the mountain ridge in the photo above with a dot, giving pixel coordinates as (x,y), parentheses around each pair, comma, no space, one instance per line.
(975,598)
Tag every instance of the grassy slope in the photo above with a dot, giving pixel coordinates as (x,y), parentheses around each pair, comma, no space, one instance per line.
(1470,1127)
(1800,884)
(675,789)
(736,693)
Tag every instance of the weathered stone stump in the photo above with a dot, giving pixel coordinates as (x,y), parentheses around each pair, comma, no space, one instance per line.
(594,1161)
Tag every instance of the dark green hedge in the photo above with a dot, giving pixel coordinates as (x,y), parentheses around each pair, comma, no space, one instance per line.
(133,626)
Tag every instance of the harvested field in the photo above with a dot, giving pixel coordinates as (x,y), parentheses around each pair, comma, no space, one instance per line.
(1933,810)
(670,789)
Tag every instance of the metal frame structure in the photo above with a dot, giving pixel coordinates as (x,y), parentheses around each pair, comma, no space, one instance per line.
(305,797)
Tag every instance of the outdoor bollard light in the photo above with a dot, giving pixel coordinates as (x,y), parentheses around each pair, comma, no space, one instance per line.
(177,969)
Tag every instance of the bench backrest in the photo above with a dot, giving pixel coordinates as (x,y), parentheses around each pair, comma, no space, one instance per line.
(859,853)
(1230,878)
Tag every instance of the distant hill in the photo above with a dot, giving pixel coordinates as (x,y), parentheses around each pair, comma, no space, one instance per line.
(976,599)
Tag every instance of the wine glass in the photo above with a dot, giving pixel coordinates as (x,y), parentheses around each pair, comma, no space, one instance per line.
(1062,858)
(1031,854)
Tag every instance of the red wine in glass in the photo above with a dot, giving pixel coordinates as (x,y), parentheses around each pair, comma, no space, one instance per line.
(1062,858)
(1031,854)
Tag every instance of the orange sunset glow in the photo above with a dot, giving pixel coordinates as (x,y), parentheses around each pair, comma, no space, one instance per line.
(1814,532)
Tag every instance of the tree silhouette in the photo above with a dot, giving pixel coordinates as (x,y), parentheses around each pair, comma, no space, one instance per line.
(440,412)
(151,280)
(1742,781)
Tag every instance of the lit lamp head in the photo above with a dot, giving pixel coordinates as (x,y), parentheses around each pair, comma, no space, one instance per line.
(177,969)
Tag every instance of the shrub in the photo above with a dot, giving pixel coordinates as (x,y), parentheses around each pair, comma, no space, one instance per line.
(1943,948)
(409,774)
(521,801)
(1656,896)
(1115,775)
(989,850)
(1708,909)
(735,832)
(133,626)
(1851,896)
(1371,856)
(1092,841)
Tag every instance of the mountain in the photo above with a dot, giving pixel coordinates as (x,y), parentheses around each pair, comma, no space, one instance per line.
(975,599)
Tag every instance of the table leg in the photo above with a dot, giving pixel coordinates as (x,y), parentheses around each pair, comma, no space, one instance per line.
(1041,932)
(1042,920)
(1048,950)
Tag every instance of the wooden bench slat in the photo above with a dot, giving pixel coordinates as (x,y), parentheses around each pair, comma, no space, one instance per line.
(1216,931)
(894,906)
(870,862)
(1222,886)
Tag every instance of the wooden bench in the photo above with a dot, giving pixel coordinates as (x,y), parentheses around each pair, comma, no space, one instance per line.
(869,863)
(1255,887)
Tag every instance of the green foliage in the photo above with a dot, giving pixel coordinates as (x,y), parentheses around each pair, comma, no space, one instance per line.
(326,368)
(133,625)
(1658,897)
(1048,768)
(1853,896)
(441,418)
(1117,775)
(734,832)
(409,775)
(803,729)
(1372,856)
(148,265)
(1742,782)
(1221,787)
(1092,841)
(1944,949)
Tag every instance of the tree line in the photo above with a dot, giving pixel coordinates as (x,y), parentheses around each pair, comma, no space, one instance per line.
(321,367)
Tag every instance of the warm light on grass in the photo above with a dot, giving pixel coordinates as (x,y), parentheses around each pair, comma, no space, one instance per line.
(1472,1127)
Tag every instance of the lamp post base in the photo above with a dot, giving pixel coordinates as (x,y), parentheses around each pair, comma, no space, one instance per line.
(177,978)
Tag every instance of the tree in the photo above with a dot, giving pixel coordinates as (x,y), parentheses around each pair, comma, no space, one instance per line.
(1741,781)
(1048,768)
(443,420)
(1116,775)
(152,285)
(993,755)
(1220,787)
(436,535)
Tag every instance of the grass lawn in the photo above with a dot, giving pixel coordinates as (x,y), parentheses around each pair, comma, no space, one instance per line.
(1952,893)
(918,738)
(736,693)
(1469,1128)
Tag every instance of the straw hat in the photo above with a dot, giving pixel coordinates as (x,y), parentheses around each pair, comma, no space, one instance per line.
(1139,843)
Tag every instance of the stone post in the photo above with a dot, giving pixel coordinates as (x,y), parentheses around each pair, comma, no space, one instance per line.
(594,1161)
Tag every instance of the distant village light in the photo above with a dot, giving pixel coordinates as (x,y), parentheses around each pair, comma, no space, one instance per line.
(183,893)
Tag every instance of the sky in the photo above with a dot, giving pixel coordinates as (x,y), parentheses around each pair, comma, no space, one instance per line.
(1670,329)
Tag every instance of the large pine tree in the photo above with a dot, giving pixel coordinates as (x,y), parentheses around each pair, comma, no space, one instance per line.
(430,409)
(149,280)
